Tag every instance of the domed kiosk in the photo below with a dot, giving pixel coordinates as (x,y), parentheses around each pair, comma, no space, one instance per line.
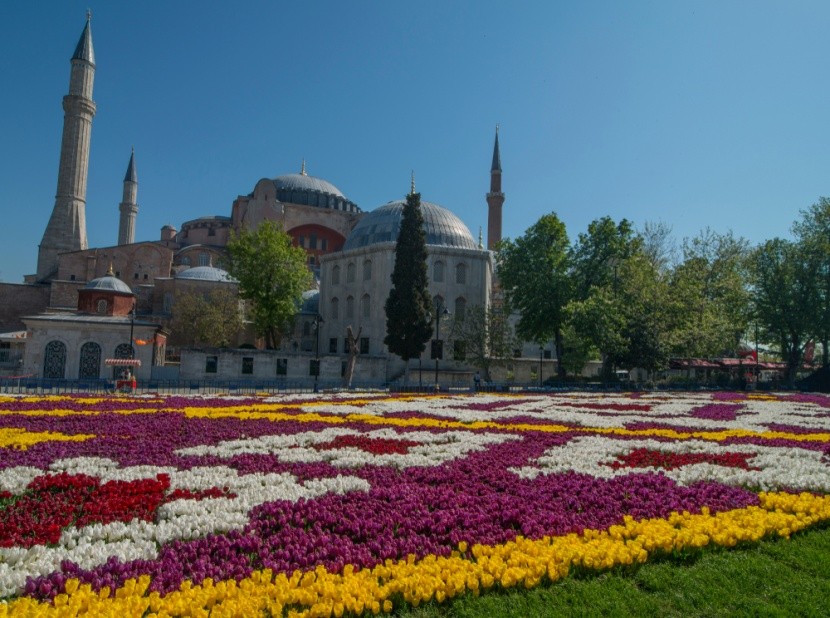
(356,281)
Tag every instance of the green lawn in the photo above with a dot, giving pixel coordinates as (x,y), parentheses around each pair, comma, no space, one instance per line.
(774,578)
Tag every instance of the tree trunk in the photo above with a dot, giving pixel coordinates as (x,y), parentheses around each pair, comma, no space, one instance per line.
(559,344)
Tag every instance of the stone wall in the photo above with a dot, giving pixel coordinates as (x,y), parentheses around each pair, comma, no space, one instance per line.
(264,363)
(18,299)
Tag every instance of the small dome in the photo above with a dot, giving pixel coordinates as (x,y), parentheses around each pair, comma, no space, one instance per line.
(311,302)
(383,224)
(109,283)
(304,182)
(206,273)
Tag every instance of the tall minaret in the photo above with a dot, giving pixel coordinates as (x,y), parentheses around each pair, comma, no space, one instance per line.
(495,199)
(66,230)
(128,205)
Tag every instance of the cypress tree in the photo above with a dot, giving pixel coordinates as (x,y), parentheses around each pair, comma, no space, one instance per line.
(409,306)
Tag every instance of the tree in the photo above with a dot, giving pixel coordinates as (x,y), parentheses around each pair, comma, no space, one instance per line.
(598,272)
(272,275)
(813,232)
(409,306)
(786,293)
(486,336)
(533,273)
(711,295)
(213,319)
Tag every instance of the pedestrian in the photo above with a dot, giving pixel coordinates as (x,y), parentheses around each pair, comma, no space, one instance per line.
(477,380)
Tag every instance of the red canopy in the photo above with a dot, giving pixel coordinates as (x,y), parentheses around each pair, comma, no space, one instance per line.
(691,363)
(123,362)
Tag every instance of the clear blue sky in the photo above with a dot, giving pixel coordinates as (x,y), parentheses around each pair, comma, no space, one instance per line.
(692,113)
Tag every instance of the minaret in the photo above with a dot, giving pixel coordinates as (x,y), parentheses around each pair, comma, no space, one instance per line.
(66,230)
(128,205)
(495,199)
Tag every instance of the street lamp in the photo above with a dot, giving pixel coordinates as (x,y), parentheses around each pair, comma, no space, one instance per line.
(541,354)
(318,319)
(437,344)
(132,327)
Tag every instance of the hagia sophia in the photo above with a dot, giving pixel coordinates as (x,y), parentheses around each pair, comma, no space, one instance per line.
(86,304)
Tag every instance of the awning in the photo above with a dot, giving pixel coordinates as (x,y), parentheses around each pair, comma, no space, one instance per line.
(123,362)
(691,363)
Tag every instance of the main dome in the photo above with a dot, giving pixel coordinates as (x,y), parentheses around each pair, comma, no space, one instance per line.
(310,191)
(304,182)
(383,224)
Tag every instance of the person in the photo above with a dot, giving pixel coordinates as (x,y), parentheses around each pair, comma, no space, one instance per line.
(477,380)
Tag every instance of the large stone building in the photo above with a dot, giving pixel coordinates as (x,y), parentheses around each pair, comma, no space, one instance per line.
(350,252)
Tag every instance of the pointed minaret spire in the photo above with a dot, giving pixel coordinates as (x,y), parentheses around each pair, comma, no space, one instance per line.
(128,205)
(496,167)
(412,184)
(66,230)
(480,238)
(302,171)
(495,198)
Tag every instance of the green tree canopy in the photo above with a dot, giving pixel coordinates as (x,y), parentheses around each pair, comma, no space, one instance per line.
(409,306)
(786,297)
(711,295)
(813,233)
(533,271)
(213,319)
(272,275)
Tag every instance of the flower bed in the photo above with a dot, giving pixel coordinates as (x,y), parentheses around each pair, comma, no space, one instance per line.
(329,505)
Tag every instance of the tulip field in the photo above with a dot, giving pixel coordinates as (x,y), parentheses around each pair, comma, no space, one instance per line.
(368,503)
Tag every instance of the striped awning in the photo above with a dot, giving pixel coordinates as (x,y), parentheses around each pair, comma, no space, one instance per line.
(123,362)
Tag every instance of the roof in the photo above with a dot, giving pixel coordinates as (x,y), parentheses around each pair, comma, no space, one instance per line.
(383,224)
(84,50)
(124,320)
(206,273)
(110,284)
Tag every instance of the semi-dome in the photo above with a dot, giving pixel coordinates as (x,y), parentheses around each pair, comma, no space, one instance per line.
(108,283)
(383,224)
(206,273)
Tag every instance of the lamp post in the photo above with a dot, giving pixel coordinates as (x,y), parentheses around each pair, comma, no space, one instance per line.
(437,344)
(541,355)
(318,319)
(132,327)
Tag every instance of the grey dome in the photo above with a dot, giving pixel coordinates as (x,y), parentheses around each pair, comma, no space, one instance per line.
(383,224)
(110,284)
(311,302)
(304,182)
(206,273)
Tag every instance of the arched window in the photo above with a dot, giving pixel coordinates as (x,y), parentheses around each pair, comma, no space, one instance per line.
(365,306)
(204,259)
(54,360)
(350,272)
(438,272)
(438,303)
(89,366)
(335,275)
(186,261)
(335,308)
(102,306)
(367,270)
(461,273)
(460,308)
(349,307)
